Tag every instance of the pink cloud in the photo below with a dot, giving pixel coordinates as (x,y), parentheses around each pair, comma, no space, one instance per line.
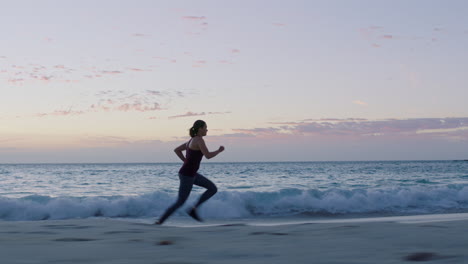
(165,58)
(60,113)
(153,92)
(369,32)
(56,73)
(387,36)
(16,80)
(189,114)
(138,70)
(235,51)
(257,131)
(44,78)
(194,17)
(358,128)
(111,72)
(359,102)
(137,106)
(238,135)
(119,101)
(334,119)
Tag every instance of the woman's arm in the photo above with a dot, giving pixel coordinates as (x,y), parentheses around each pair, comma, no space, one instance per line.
(206,152)
(179,150)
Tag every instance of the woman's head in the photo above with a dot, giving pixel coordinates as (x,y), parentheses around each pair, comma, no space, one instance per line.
(198,126)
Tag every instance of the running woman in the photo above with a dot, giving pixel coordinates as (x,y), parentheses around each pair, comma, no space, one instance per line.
(195,150)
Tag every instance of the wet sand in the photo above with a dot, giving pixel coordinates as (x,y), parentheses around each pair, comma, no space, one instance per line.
(389,240)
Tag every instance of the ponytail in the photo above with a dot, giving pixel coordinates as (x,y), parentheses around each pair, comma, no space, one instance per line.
(197,125)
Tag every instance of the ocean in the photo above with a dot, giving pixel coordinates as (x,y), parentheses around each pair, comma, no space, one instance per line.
(246,191)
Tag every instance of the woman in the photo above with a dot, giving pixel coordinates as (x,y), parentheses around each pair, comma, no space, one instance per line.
(195,150)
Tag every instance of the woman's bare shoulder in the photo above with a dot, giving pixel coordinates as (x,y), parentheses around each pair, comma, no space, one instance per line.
(195,142)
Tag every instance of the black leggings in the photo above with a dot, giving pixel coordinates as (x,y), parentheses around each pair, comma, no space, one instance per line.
(186,184)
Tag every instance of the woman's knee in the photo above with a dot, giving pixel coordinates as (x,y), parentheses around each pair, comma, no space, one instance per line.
(214,189)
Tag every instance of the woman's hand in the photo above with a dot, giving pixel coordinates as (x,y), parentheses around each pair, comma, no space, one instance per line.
(221,149)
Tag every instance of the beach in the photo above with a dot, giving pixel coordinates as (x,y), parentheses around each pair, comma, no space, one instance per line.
(436,238)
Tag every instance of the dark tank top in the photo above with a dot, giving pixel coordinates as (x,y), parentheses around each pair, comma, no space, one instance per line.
(192,161)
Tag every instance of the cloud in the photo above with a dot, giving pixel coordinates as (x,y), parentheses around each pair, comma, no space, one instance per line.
(103,141)
(10,139)
(279,24)
(235,51)
(16,80)
(119,101)
(138,70)
(335,119)
(154,92)
(258,131)
(165,59)
(111,72)
(68,112)
(358,102)
(190,114)
(32,72)
(194,17)
(238,135)
(454,128)
(138,106)
(382,127)
(375,34)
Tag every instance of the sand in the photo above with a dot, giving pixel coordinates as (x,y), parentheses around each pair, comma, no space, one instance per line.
(113,241)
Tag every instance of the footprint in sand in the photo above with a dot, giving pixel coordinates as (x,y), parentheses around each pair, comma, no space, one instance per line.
(425,256)
(165,243)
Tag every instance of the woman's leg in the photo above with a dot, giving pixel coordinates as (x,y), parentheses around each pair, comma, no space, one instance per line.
(211,188)
(186,184)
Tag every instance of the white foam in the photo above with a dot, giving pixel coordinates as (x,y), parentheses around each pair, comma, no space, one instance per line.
(236,205)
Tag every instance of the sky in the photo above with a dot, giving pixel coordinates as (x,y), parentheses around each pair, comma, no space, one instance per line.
(124,80)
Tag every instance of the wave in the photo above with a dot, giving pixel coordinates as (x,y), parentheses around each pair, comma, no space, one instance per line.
(236,204)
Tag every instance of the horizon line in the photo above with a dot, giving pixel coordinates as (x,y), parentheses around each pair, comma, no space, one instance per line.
(212,162)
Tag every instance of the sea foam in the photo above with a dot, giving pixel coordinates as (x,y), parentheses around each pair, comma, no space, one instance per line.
(236,204)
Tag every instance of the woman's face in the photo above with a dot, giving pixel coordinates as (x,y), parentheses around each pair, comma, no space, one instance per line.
(202,131)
